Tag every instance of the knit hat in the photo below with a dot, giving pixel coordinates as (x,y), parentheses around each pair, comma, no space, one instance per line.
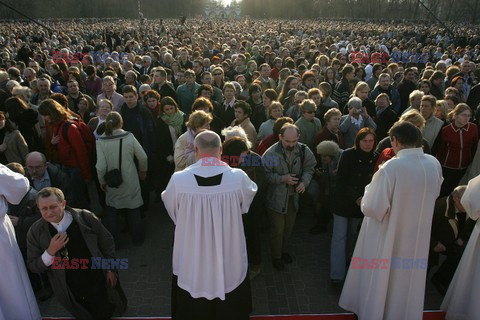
(328,148)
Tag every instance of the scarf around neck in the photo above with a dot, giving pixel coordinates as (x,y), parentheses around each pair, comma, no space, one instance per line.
(175,120)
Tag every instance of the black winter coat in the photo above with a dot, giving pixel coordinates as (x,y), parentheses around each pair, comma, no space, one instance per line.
(384,122)
(355,171)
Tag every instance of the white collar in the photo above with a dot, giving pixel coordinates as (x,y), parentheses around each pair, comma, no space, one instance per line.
(229,105)
(208,167)
(358,122)
(409,151)
(63,225)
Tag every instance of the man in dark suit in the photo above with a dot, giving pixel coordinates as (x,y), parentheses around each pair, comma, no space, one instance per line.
(210,52)
(160,84)
(226,111)
(146,65)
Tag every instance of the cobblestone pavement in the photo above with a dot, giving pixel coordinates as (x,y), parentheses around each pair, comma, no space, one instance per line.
(303,287)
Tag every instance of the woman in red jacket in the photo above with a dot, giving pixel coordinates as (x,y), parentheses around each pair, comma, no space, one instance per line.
(457,147)
(72,152)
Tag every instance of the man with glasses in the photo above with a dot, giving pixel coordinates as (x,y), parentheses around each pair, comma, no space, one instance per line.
(218,77)
(287,179)
(62,244)
(146,65)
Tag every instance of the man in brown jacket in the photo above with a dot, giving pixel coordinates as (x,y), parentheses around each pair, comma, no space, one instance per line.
(80,283)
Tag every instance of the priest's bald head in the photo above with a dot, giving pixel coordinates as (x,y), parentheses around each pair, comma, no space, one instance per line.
(207,144)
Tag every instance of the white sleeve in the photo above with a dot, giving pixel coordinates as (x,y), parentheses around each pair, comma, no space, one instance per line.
(13,186)
(47,259)
(249,189)
(471,200)
(169,198)
(376,199)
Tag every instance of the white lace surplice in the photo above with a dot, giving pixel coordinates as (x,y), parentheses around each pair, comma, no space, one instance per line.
(209,254)
(17,300)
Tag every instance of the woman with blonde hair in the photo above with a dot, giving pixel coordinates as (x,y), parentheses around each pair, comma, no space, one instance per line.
(184,153)
(118,149)
(323,62)
(362,89)
(442,109)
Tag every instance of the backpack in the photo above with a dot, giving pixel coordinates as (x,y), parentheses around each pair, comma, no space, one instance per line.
(86,134)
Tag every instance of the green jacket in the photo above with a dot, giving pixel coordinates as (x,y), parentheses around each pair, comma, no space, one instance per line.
(308,131)
(276,165)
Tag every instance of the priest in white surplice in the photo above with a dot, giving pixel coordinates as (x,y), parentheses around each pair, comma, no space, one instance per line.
(17,300)
(463,295)
(206,202)
(386,278)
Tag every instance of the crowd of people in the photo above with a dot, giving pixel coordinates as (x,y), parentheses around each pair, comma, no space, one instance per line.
(99,117)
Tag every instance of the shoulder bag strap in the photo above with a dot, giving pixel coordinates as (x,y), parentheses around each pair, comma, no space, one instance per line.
(120,156)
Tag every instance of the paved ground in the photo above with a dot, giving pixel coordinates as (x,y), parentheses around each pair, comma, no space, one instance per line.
(303,287)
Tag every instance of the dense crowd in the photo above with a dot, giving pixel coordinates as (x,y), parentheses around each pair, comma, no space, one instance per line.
(81,102)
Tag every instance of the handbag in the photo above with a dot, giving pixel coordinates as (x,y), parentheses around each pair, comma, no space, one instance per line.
(113,178)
